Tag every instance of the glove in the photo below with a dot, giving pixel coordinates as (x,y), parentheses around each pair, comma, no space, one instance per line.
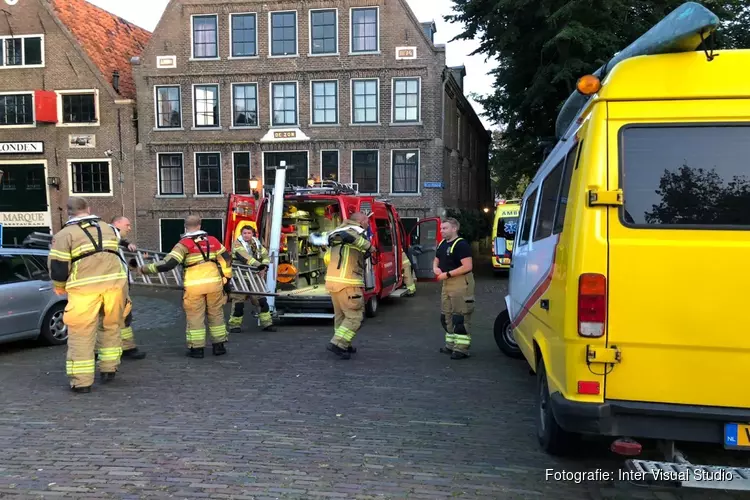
(227,288)
(262,267)
(133,264)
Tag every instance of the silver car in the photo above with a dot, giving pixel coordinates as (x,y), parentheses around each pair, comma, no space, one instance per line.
(29,307)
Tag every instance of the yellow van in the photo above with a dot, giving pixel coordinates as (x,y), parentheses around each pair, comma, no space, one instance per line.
(504,229)
(628,295)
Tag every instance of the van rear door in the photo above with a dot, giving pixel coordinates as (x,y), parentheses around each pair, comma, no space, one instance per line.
(679,252)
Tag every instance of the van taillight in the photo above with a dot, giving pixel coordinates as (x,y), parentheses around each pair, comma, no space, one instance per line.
(592,305)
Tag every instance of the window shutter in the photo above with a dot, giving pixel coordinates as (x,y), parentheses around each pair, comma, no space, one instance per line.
(45,104)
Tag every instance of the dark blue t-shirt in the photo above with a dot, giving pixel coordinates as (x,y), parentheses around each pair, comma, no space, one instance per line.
(461,250)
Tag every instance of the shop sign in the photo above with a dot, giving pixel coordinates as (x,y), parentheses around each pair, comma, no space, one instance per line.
(285,135)
(21,147)
(25,219)
(406,53)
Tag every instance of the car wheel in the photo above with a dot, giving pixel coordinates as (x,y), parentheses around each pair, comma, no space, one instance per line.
(371,307)
(504,339)
(553,439)
(54,330)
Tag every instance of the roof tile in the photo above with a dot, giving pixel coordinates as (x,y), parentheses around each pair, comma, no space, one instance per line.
(107,39)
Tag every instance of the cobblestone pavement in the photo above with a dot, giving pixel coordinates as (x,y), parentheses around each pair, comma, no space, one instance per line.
(280,417)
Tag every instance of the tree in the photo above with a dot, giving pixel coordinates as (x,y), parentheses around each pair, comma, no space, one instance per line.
(699,196)
(544,46)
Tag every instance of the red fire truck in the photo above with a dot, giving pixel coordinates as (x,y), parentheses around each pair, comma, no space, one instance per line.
(321,207)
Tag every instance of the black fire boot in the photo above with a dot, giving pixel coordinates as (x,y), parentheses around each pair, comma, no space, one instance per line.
(351,349)
(341,353)
(219,349)
(107,377)
(459,355)
(445,350)
(235,329)
(81,390)
(133,353)
(196,352)
(269,328)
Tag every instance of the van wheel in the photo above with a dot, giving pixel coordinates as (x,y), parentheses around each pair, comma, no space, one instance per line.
(504,336)
(371,307)
(54,330)
(553,439)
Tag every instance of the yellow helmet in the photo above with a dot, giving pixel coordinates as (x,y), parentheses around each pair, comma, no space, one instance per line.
(320,211)
(327,258)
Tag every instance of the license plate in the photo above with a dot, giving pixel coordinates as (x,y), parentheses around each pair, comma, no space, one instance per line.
(737,435)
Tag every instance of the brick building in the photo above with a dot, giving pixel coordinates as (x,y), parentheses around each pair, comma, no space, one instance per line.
(66,112)
(351,90)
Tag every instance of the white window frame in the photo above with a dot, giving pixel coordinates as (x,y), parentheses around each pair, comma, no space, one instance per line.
(351,31)
(23,55)
(161,248)
(108,161)
(33,110)
(338,166)
(263,161)
(158,175)
(270,33)
(192,38)
(97,108)
(222,225)
(310,30)
(250,157)
(218,107)
(257,105)
(351,170)
(270,102)
(157,128)
(351,103)
(394,123)
(419,172)
(231,43)
(337,123)
(220,194)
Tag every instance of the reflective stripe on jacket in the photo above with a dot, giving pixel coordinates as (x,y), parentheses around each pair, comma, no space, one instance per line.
(250,253)
(348,249)
(207,263)
(85,254)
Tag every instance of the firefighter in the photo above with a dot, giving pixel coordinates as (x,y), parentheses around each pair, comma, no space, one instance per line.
(409,278)
(345,280)
(207,271)
(453,266)
(248,250)
(85,264)
(129,347)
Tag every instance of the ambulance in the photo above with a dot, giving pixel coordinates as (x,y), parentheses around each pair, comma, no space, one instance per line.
(504,229)
(628,292)
(321,207)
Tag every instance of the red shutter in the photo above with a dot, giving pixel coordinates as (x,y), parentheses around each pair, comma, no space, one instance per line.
(45,104)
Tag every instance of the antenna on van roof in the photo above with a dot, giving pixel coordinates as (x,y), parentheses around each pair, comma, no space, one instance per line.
(682,30)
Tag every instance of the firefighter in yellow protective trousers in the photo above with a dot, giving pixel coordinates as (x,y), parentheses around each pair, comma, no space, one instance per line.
(129,347)
(409,278)
(348,248)
(248,250)
(207,271)
(453,266)
(85,264)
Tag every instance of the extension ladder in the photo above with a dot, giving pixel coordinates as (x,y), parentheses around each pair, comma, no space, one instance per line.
(245,280)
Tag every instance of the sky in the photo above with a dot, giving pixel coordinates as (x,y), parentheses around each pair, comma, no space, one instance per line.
(146,13)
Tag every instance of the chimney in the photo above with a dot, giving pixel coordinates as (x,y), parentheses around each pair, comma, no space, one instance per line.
(459,72)
(430,29)
(116,81)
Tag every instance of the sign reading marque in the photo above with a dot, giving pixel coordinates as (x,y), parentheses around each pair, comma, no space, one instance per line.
(25,219)
(21,147)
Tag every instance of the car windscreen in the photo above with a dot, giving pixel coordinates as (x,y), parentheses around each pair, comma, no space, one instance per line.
(686,176)
(507,227)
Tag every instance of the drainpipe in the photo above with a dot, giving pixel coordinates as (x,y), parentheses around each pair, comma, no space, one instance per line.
(122,156)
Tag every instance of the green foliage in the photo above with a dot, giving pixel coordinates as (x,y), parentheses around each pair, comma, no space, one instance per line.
(475,224)
(544,46)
